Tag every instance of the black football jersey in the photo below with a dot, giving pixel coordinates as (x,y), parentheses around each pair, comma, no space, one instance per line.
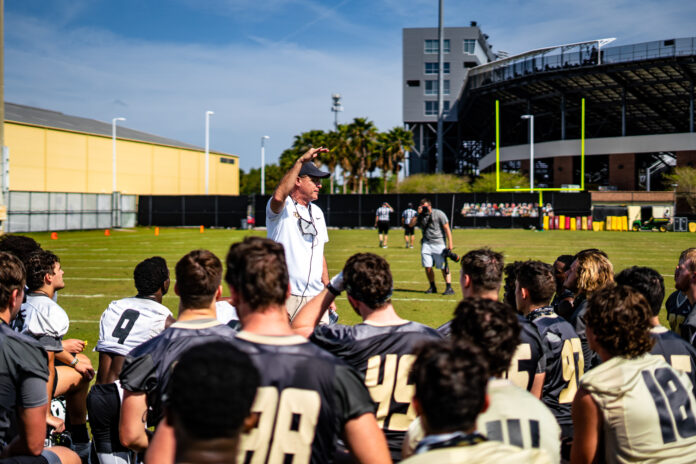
(677,352)
(445,330)
(564,362)
(530,357)
(382,355)
(305,398)
(21,358)
(147,368)
(678,311)
(577,320)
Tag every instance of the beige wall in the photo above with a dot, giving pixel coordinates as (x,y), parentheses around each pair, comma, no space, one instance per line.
(54,160)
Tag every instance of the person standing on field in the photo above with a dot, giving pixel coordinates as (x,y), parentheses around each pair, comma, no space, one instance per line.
(436,229)
(408,214)
(293,221)
(382,223)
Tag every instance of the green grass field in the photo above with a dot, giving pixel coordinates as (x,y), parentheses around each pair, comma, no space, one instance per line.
(99,269)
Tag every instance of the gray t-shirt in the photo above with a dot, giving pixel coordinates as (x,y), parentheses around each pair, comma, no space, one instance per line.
(432,225)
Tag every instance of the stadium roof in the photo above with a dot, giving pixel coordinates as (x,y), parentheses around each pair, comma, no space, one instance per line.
(54,119)
(631,90)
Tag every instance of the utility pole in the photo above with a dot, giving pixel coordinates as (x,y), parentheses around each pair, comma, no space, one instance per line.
(4,152)
(440,82)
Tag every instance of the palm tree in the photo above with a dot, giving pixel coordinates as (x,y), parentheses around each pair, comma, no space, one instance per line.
(393,146)
(362,137)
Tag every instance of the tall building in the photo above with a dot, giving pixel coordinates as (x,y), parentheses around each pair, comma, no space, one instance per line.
(464,48)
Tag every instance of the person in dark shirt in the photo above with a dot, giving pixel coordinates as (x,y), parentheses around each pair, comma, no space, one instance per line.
(685,282)
(564,360)
(678,309)
(147,369)
(676,351)
(381,347)
(562,301)
(591,270)
(208,405)
(23,377)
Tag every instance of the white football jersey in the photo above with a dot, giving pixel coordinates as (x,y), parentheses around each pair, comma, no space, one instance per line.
(225,312)
(129,322)
(44,319)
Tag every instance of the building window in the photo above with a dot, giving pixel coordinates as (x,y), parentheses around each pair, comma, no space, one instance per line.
(431,87)
(469,46)
(431,107)
(431,68)
(431,46)
(227,160)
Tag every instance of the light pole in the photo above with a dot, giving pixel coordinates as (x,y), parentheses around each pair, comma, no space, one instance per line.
(336,108)
(263,164)
(113,151)
(207,147)
(531,149)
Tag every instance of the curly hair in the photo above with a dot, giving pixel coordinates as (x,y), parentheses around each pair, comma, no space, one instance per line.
(368,279)
(485,268)
(256,269)
(12,277)
(619,317)
(150,275)
(537,278)
(40,263)
(510,279)
(594,271)
(647,281)
(199,390)
(450,380)
(19,245)
(490,325)
(198,276)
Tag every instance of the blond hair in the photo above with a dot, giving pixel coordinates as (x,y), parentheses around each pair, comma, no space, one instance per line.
(595,271)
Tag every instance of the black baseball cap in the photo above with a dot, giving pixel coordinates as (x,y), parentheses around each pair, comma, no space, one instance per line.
(309,169)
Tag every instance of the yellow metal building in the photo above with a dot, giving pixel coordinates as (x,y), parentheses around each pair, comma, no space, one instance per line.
(54,152)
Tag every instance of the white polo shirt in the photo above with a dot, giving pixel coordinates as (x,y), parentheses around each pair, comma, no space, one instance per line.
(304,253)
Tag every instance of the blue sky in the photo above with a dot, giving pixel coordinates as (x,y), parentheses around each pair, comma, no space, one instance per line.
(269,67)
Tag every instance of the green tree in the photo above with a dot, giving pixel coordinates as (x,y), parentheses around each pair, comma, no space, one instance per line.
(685,180)
(362,137)
(391,149)
(485,183)
(250,183)
(434,183)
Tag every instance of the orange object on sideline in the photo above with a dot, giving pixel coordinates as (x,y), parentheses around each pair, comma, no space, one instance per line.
(54,235)
(156,231)
(107,233)
(202,229)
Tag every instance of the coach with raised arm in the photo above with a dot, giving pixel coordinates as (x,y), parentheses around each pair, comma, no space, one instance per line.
(293,221)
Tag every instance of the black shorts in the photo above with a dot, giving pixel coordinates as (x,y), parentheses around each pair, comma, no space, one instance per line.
(408,230)
(46,457)
(383,227)
(104,409)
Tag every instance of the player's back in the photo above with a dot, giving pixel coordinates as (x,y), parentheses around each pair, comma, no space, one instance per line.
(305,398)
(147,368)
(677,352)
(484,452)
(383,355)
(529,358)
(516,417)
(564,363)
(647,408)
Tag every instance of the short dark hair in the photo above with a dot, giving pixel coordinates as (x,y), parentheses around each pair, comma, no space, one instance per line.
(150,275)
(211,390)
(485,268)
(567,260)
(198,276)
(510,279)
(12,277)
(490,325)
(537,278)
(450,384)
(647,281)
(368,279)
(619,317)
(256,269)
(39,263)
(424,201)
(19,245)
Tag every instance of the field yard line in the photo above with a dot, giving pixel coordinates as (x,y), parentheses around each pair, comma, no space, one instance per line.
(65,295)
(98,278)
(84,321)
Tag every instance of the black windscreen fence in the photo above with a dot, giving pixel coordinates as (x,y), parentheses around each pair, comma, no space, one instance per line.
(486,210)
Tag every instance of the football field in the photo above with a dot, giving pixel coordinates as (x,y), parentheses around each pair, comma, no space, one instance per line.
(99,268)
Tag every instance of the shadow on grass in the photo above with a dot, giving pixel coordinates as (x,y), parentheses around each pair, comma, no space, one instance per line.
(408,290)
